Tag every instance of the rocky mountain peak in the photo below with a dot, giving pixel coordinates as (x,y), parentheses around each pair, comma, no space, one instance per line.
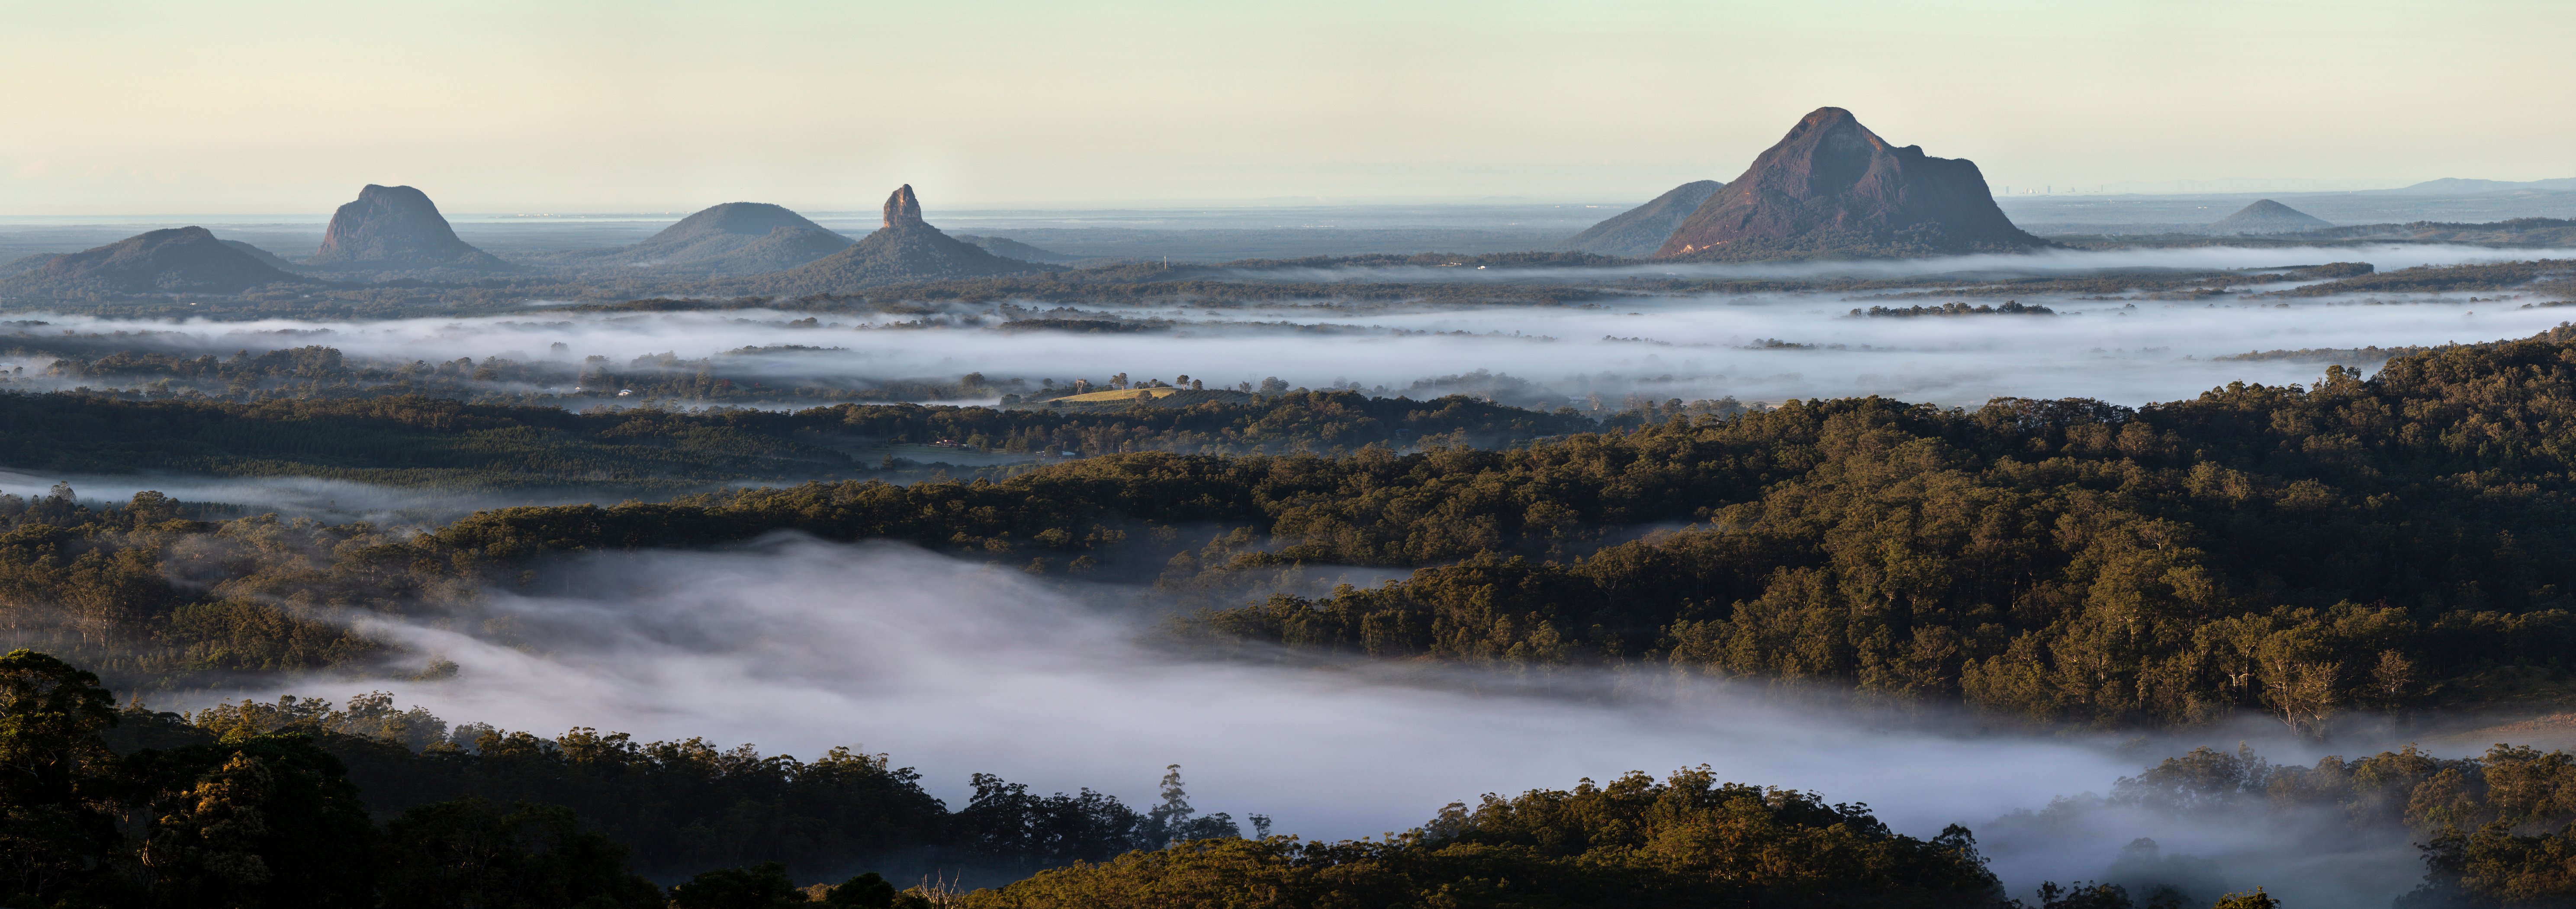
(1833,187)
(902,209)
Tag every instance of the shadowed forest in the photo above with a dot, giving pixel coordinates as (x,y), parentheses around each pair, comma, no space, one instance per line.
(302,803)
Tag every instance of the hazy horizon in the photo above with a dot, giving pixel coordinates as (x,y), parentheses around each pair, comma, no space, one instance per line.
(1606,205)
(166,108)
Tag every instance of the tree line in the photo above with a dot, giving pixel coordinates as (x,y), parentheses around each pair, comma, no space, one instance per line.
(310,372)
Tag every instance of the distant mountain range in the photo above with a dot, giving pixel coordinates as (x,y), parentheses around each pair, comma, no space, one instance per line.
(2459,187)
(1830,187)
(396,232)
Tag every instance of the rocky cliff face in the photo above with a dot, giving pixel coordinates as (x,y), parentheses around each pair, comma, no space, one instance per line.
(1641,230)
(1832,187)
(177,260)
(395,228)
(903,209)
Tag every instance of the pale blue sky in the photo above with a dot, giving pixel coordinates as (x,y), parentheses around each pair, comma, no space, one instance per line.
(183,107)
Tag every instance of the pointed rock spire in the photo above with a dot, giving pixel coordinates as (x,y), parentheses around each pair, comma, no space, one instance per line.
(902,209)
(905,250)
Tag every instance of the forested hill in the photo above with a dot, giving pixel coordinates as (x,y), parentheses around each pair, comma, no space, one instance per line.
(2295,550)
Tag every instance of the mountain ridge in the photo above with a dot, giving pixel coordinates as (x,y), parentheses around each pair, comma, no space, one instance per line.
(1642,230)
(2479,187)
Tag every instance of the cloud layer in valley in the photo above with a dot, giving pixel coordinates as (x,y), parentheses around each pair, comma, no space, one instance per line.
(955,667)
(1754,347)
(291,497)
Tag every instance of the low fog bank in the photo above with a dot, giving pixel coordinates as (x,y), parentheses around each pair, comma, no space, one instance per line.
(2130,350)
(326,500)
(954,667)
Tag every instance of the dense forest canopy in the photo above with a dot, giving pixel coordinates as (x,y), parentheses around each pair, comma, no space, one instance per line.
(2299,551)
(412,439)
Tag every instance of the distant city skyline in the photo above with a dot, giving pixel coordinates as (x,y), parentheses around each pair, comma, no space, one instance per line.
(160,107)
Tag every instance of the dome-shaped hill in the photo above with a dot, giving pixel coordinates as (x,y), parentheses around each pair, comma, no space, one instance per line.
(1831,187)
(2268,217)
(396,228)
(737,238)
(731,219)
(905,250)
(177,260)
(1641,230)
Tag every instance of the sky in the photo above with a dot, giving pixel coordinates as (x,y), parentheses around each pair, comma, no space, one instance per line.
(169,107)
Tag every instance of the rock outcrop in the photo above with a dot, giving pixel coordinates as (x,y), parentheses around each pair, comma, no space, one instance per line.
(180,260)
(396,228)
(903,209)
(1833,188)
(1641,230)
(905,250)
(2268,217)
